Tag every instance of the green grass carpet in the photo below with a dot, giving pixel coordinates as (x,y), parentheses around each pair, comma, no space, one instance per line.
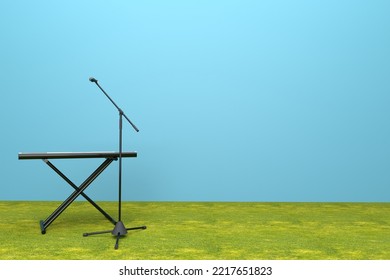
(200,231)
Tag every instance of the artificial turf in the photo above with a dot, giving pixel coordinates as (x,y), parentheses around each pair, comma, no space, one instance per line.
(199,231)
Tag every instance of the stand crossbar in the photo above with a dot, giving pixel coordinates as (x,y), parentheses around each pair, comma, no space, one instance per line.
(78,191)
(82,194)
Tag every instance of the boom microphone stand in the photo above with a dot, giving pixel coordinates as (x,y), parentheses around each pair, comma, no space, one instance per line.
(119,229)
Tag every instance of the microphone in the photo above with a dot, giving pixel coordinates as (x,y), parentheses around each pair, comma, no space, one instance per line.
(93,80)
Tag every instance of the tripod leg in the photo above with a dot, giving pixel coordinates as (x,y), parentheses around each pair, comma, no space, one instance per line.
(96,232)
(134,228)
(117,241)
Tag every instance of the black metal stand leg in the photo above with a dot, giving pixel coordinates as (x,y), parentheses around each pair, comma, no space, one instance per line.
(96,232)
(117,241)
(74,195)
(134,228)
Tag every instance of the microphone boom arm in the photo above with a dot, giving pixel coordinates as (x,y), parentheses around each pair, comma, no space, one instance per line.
(93,80)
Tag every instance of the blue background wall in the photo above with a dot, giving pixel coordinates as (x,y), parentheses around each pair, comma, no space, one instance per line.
(235,100)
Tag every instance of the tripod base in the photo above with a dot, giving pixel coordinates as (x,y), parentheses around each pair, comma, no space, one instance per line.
(118,231)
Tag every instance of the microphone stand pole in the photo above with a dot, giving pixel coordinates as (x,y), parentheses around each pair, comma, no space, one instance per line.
(119,229)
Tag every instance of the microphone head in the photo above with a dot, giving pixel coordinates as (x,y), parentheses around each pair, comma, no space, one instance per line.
(93,80)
